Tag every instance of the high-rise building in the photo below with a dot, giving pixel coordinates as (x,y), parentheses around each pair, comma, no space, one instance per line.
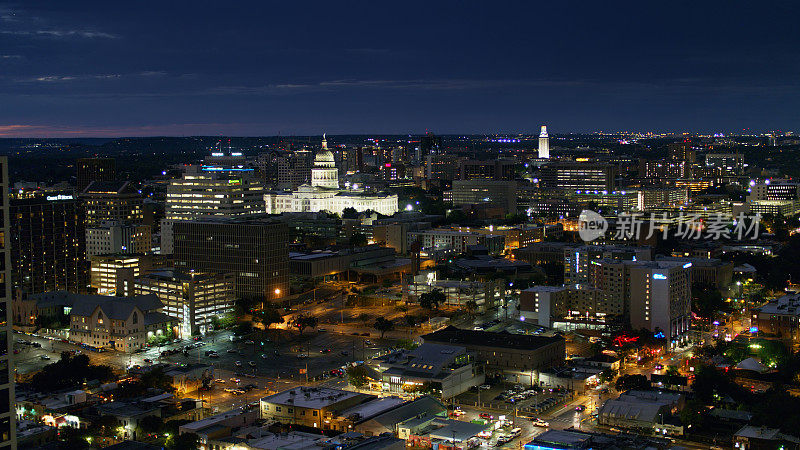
(728,163)
(544,143)
(202,194)
(117,201)
(496,169)
(114,274)
(579,176)
(654,295)
(116,237)
(95,169)
(255,250)
(193,298)
(496,192)
(430,144)
(48,244)
(682,151)
(8,428)
(294,169)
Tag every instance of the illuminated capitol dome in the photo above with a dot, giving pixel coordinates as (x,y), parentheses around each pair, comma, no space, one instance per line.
(324,174)
(323,194)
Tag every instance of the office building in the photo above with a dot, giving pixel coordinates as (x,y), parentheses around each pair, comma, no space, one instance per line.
(114,274)
(665,169)
(579,176)
(454,242)
(255,250)
(728,163)
(118,238)
(316,407)
(202,193)
(448,370)
(8,426)
(544,143)
(773,189)
(577,261)
(500,193)
(494,169)
(565,307)
(48,244)
(519,356)
(95,169)
(192,298)
(654,295)
(441,167)
(112,201)
(657,197)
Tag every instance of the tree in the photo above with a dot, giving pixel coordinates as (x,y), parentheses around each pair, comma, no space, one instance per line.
(632,382)
(357,376)
(383,325)
(185,441)
(432,299)
(411,320)
(471,306)
(357,240)
(302,321)
(349,213)
(607,375)
(267,317)
(151,424)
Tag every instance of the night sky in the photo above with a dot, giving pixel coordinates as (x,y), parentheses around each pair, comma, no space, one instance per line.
(134,68)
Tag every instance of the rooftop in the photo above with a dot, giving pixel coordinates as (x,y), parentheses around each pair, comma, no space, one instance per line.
(312,397)
(503,339)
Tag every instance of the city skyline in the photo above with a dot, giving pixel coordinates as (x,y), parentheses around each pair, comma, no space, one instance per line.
(178,69)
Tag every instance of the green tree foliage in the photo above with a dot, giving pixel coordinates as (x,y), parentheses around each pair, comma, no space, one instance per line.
(69,371)
(349,213)
(357,376)
(268,317)
(357,240)
(151,424)
(302,321)
(607,375)
(432,299)
(383,325)
(630,382)
(185,441)
(706,301)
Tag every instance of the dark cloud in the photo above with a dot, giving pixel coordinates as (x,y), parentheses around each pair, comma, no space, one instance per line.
(91,67)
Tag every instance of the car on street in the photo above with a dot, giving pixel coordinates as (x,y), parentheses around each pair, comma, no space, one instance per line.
(486,416)
(45,357)
(251,363)
(321,330)
(148,360)
(219,380)
(580,408)
(235,380)
(485,386)
(540,423)
(238,364)
(249,342)
(231,350)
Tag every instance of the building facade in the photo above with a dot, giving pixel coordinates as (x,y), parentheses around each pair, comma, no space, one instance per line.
(124,324)
(323,194)
(254,250)
(192,298)
(112,201)
(118,238)
(48,244)
(8,428)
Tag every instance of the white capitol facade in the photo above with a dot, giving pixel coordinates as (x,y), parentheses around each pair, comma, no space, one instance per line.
(324,194)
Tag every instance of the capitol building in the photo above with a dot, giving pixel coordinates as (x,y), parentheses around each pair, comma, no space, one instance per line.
(324,194)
